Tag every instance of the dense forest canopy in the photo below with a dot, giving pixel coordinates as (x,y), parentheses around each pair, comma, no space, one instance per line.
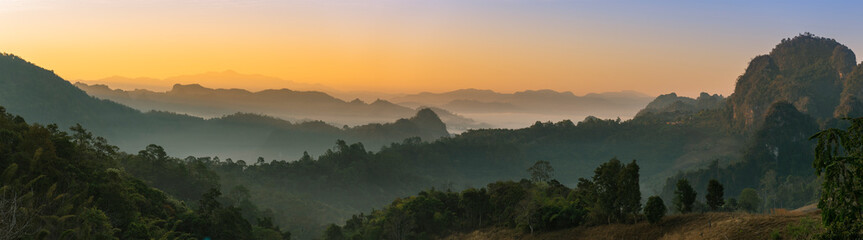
(59,185)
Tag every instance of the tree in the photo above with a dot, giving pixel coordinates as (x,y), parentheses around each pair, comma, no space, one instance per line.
(333,232)
(714,195)
(749,200)
(630,194)
(541,171)
(398,224)
(684,196)
(14,223)
(730,204)
(617,190)
(654,209)
(839,160)
(475,204)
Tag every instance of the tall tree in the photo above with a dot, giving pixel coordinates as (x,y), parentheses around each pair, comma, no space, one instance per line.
(839,160)
(617,190)
(749,200)
(541,171)
(684,196)
(714,196)
(655,209)
(630,194)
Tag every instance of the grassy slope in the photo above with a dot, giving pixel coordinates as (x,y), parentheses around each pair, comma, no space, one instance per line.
(690,226)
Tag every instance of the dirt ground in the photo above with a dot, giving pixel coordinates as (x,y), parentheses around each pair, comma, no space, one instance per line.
(722,225)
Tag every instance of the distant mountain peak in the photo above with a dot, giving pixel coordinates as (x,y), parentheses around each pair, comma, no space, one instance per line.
(430,123)
(382,102)
(189,88)
(426,113)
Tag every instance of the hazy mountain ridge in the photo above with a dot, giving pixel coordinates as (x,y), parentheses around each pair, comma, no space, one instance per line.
(41,96)
(530,101)
(671,103)
(195,99)
(519,109)
(225,79)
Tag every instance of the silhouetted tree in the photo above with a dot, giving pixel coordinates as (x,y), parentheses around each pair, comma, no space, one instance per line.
(655,209)
(714,195)
(684,196)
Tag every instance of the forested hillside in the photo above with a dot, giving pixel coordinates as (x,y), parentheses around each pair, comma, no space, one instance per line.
(58,185)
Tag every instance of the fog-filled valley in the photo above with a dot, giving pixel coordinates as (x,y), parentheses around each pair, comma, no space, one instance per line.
(192,161)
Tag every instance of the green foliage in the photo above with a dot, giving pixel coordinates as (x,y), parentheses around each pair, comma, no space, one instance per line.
(714,196)
(57,185)
(618,195)
(749,200)
(806,228)
(684,196)
(333,232)
(839,160)
(541,171)
(655,209)
(526,205)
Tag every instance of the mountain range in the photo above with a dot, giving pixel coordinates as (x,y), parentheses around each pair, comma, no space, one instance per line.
(524,107)
(215,94)
(196,100)
(41,96)
(754,138)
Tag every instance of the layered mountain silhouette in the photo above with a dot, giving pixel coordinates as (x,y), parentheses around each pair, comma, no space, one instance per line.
(229,80)
(531,101)
(197,100)
(520,109)
(224,79)
(41,96)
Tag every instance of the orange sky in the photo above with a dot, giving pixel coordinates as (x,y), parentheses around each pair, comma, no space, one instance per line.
(406,46)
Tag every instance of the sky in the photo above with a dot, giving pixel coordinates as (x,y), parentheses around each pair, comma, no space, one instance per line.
(407,46)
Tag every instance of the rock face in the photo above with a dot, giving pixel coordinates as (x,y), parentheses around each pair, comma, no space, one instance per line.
(851,99)
(807,71)
(783,139)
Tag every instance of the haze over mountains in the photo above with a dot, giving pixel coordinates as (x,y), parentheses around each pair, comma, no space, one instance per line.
(516,110)
(41,96)
(757,134)
(461,109)
(196,100)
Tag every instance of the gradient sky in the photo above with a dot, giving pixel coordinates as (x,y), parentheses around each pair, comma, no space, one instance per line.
(417,45)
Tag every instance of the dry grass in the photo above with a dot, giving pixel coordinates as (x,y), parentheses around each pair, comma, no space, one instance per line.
(689,226)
